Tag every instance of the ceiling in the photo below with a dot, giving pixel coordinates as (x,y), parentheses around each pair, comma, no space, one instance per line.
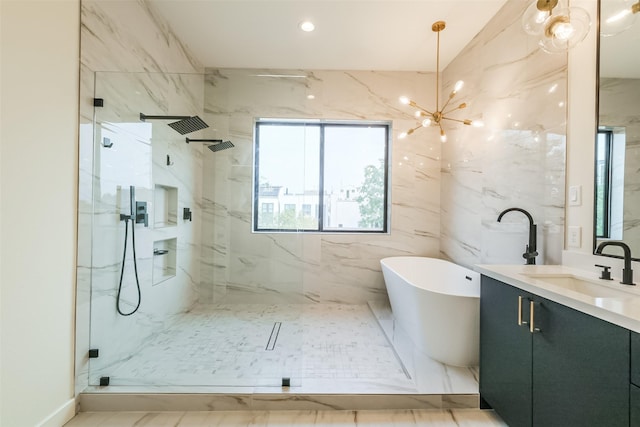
(619,54)
(392,35)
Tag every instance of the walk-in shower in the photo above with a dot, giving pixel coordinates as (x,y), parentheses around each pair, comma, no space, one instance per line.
(219,304)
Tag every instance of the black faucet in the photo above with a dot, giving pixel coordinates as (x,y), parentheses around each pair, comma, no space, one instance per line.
(627,272)
(531,251)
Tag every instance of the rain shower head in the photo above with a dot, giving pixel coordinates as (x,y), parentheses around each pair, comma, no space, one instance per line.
(218,144)
(184,124)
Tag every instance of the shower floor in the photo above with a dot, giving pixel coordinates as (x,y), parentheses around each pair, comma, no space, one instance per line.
(321,348)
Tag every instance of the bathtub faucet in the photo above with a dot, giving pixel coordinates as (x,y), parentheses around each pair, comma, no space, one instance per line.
(531,251)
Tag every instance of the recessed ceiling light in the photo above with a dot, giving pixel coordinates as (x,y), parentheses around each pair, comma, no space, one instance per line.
(307,26)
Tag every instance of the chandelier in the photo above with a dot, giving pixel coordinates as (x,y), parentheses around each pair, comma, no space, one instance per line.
(439,114)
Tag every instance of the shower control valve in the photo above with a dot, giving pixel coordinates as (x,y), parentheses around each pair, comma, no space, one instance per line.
(142,217)
(187,214)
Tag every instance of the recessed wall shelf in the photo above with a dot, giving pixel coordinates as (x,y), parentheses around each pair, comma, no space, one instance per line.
(164,260)
(165,206)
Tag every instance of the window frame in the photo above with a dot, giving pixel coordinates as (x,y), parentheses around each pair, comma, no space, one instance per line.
(322,124)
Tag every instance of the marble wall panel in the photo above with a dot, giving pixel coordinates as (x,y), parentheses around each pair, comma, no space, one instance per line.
(517,159)
(239,265)
(131,36)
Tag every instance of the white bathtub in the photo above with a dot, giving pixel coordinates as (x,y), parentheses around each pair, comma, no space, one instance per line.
(437,304)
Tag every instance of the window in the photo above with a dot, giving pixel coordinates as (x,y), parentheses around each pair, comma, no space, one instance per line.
(609,182)
(321,176)
(603,182)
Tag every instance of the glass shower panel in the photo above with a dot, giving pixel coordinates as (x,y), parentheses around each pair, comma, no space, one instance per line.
(181,291)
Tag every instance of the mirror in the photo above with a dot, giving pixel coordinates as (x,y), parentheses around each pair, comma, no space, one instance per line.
(617,165)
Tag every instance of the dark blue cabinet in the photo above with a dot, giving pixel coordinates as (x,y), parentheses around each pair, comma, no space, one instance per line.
(505,351)
(544,364)
(635,405)
(635,359)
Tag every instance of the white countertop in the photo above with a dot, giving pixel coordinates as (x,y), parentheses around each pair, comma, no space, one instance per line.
(618,304)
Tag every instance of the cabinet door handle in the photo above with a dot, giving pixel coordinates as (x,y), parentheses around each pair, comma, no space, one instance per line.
(532,327)
(520,321)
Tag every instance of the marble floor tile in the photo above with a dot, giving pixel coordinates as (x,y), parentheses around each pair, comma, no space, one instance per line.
(395,418)
(228,345)
(323,348)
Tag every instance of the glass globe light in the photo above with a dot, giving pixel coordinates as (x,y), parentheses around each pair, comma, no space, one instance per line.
(533,19)
(564,29)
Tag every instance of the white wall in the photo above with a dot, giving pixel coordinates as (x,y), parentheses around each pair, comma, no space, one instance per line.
(580,132)
(39,125)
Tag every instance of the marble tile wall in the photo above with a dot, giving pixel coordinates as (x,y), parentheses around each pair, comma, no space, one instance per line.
(124,37)
(619,108)
(241,266)
(517,159)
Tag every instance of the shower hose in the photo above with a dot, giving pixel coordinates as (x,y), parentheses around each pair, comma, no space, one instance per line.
(135,266)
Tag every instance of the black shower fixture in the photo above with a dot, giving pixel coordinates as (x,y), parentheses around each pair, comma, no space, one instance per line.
(184,124)
(217,144)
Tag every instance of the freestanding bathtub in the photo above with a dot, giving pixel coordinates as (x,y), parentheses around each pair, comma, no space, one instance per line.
(437,304)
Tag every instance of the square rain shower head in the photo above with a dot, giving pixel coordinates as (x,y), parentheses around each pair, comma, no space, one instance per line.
(220,146)
(188,125)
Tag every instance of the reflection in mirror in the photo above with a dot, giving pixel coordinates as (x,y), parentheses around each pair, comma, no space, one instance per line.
(617,166)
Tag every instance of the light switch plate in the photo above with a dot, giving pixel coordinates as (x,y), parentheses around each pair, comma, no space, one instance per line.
(574,237)
(575,195)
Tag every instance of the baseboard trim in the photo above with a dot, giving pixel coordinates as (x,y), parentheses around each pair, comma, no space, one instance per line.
(60,416)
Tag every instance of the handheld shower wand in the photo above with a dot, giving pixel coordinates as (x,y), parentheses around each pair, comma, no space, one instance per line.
(126,218)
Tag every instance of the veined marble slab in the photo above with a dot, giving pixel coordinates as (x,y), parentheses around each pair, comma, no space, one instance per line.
(516,159)
(378,418)
(94,402)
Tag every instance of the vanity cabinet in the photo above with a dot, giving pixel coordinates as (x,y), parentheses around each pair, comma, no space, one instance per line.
(634,400)
(566,369)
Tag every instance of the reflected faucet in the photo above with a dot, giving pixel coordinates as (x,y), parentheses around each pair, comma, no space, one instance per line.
(531,250)
(627,272)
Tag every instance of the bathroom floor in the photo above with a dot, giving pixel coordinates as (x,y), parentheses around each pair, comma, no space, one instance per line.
(454,418)
(320,347)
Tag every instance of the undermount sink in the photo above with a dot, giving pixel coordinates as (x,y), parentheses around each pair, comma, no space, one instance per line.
(577,284)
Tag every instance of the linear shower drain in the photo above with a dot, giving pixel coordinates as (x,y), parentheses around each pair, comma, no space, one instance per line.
(271,344)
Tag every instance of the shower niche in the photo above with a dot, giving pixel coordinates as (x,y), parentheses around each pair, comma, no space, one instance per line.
(164,260)
(165,202)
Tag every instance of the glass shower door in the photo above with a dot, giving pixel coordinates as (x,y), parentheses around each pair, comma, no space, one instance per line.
(182,292)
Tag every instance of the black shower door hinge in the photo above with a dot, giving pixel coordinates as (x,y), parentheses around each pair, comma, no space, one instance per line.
(98,102)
